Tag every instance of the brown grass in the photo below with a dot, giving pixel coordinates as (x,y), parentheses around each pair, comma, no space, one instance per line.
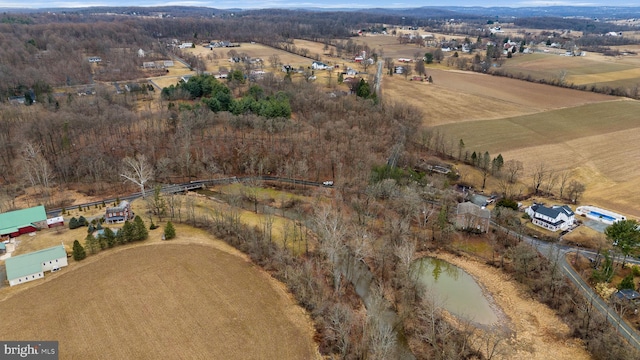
(591,140)
(593,69)
(538,332)
(169,300)
(251,50)
(588,238)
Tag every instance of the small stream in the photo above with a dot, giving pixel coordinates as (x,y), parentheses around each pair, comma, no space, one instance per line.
(362,279)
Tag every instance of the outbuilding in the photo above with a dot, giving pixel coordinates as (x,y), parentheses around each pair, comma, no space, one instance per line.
(55,221)
(24,221)
(32,266)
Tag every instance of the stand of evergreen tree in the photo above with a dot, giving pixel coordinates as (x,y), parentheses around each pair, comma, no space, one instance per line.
(169,231)
(78,251)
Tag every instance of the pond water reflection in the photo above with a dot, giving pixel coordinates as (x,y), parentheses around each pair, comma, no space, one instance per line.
(454,290)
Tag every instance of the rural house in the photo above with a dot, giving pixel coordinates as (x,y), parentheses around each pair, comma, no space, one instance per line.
(627,295)
(32,266)
(472,217)
(554,218)
(24,221)
(317,65)
(120,213)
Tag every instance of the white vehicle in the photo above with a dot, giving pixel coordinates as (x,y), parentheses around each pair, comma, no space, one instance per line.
(327,183)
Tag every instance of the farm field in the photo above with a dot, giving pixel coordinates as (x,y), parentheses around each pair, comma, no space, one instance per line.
(593,69)
(595,141)
(177,301)
(457,96)
(567,129)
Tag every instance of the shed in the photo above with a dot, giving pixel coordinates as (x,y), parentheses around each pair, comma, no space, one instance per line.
(56,221)
(32,266)
(18,222)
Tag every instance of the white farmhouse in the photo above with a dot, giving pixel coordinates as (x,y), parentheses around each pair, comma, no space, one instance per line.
(32,266)
(317,65)
(554,218)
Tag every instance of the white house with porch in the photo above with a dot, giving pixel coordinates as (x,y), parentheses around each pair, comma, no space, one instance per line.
(557,217)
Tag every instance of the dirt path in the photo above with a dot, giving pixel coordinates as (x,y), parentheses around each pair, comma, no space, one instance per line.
(537,333)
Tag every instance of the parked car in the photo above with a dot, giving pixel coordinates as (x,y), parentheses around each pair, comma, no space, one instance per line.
(327,183)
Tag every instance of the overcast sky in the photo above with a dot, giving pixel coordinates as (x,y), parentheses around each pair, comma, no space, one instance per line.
(261,4)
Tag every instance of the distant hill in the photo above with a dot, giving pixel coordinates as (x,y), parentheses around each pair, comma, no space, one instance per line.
(458,12)
(425,12)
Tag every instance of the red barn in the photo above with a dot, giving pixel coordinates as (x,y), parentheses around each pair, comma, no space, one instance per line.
(24,221)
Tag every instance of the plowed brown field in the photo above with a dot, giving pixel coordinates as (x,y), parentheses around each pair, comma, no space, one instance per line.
(162,301)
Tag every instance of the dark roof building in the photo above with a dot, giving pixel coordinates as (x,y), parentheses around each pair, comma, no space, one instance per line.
(120,213)
(557,217)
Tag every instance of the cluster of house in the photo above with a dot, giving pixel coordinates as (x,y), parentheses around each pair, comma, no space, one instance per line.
(472,217)
(28,267)
(32,266)
(221,44)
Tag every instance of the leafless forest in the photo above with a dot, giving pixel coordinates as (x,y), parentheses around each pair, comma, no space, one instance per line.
(70,141)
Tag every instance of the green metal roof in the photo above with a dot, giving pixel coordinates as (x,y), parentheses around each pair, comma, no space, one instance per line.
(31,263)
(13,220)
(3,246)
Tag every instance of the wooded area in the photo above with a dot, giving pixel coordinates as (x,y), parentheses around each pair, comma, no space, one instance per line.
(384,209)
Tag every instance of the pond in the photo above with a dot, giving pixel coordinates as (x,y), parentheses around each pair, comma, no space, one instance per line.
(454,290)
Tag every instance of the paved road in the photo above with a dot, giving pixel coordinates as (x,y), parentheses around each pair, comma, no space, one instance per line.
(546,249)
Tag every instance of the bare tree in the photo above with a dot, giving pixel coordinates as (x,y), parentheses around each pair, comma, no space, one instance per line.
(406,71)
(551,181)
(274,61)
(419,67)
(564,181)
(137,170)
(576,189)
(331,231)
(538,176)
(35,167)
(513,168)
(388,63)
